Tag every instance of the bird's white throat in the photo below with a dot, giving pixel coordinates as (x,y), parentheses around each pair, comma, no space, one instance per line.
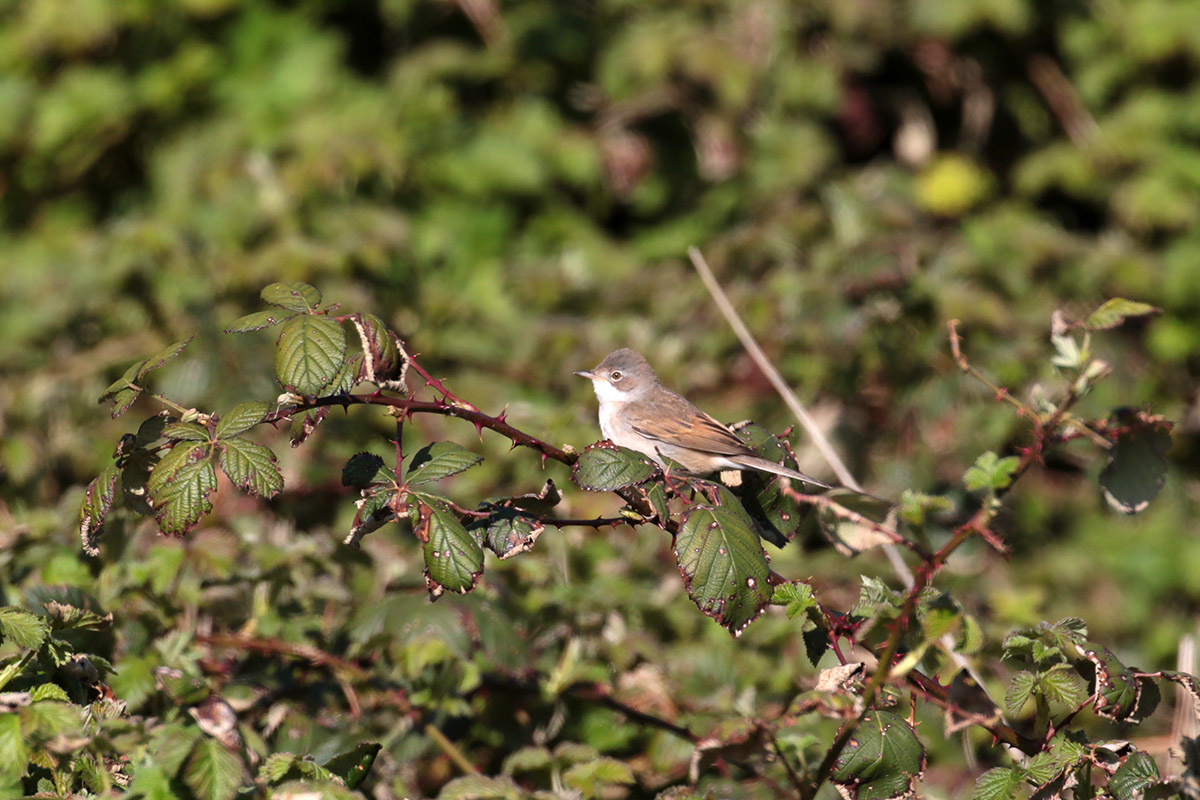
(607,393)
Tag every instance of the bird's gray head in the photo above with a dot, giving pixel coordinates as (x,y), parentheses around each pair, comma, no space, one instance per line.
(622,375)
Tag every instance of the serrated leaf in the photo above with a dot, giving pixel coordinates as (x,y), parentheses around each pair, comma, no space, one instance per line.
(990,472)
(352,766)
(122,399)
(97,502)
(604,467)
(481,787)
(277,766)
(241,418)
(179,487)
(1019,692)
(1115,311)
(294,296)
(883,759)
(49,691)
(453,556)
(1136,470)
(1137,772)
(1001,783)
(438,460)
(1064,689)
(816,644)
(304,423)
(22,627)
(185,432)
(723,566)
(508,531)
(212,772)
(310,354)
(796,597)
(251,467)
(12,744)
(258,321)
(382,358)
(364,469)
(1117,688)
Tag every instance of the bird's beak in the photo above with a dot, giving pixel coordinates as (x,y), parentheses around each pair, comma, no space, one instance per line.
(585,373)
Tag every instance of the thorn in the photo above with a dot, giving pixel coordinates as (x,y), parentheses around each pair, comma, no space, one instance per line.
(544,457)
(479,430)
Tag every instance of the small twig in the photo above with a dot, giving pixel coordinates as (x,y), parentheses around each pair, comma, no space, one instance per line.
(787,765)
(451,750)
(1061,97)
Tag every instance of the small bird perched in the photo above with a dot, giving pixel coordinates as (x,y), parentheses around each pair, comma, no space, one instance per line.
(638,412)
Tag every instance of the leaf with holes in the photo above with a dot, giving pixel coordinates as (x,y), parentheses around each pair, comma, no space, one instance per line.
(258,321)
(605,467)
(241,418)
(384,362)
(352,766)
(453,555)
(295,296)
(1116,311)
(440,460)
(508,531)
(882,760)
(1137,468)
(97,501)
(251,467)
(310,354)
(724,569)
(1117,689)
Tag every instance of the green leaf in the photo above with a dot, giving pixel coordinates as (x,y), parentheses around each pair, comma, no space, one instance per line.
(453,556)
(591,777)
(883,759)
(796,597)
(257,321)
(1000,783)
(527,759)
(294,296)
(604,467)
(1115,311)
(352,766)
(241,418)
(440,460)
(1117,688)
(382,359)
(310,354)
(180,485)
(49,691)
(990,472)
(23,628)
(364,469)
(251,467)
(1064,689)
(1019,692)
(509,531)
(481,787)
(212,772)
(1136,773)
(278,766)
(915,506)
(122,392)
(97,502)
(1136,469)
(724,569)
(185,432)
(12,744)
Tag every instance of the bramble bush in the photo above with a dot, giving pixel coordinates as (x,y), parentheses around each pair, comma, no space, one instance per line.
(213,708)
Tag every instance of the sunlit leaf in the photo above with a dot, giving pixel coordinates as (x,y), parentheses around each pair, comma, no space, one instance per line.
(23,628)
(212,772)
(241,418)
(310,353)
(604,467)
(883,759)
(251,467)
(1115,311)
(453,555)
(352,766)
(294,296)
(97,501)
(440,460)
(723,566)
(258,321)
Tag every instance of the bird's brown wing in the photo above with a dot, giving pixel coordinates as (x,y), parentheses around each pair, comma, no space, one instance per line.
(675,421)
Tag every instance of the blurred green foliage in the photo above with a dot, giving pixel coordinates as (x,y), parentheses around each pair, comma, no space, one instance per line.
(512,187)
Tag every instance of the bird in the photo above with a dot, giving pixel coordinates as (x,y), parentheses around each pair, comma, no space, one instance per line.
(638,412)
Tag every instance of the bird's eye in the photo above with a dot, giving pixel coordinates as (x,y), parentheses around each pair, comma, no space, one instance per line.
(615,375)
